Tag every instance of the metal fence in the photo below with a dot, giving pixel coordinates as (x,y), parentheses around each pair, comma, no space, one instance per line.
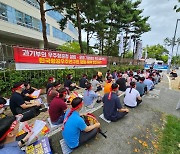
(38,78)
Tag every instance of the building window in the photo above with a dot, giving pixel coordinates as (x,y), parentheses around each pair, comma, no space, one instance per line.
(28,20)
(3,12)
(47,29)
(61,35)
(36,24)
(54,14)
(72,28)
(33,3)
(19,18)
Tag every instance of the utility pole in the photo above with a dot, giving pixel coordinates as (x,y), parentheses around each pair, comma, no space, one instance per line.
(173,43)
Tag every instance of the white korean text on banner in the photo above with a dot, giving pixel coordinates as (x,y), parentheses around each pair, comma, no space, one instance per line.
(38,59)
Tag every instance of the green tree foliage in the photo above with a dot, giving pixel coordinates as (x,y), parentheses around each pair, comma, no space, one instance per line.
(129,54)
(104,18)
(73,10)
(177,7)
(73,47)
(176,60)
(158,52)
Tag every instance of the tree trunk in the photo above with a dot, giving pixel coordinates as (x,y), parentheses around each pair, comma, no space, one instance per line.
(43,21)
(88,38)
(102,46)
(125,44)
(79,28)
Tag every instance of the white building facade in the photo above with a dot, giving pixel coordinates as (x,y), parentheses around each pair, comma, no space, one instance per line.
(20,24)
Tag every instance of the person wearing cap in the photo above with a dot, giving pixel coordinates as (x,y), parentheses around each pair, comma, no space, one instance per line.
(19,106)
(99,76)
(112,108)
(75,131)
(51,80)
(89,97)
(53,91)
(83,81)
(9,128)
(58,107)
(132,96)
(108,84)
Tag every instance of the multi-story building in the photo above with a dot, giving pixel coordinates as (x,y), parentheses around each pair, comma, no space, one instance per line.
(20,24)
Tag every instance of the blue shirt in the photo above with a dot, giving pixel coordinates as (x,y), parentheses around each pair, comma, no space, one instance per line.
(89,97)
(74,125)
(149,84)
(140,87)
(111,106)
(11,148)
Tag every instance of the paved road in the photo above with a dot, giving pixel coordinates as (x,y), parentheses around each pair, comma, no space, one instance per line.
(135,124)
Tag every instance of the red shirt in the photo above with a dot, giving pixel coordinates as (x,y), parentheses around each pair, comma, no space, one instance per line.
(56,108)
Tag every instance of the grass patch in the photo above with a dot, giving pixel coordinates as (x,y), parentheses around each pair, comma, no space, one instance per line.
(170,140)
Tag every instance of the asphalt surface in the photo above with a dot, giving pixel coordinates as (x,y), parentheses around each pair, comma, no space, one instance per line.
(120,134)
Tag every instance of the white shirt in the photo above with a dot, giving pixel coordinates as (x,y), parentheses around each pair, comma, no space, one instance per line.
(130,98)
(95,84)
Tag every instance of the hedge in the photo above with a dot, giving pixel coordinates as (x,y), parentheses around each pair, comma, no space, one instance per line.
(38,78)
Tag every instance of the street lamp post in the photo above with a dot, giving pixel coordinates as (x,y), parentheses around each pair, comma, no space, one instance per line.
(173,43)
(174,38)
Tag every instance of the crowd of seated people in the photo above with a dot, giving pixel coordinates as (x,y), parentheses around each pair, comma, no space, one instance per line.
(74,129)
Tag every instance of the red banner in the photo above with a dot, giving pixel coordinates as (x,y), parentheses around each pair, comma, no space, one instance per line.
(38,56)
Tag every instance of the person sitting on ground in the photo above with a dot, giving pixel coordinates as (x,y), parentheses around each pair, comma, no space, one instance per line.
(142,74)
(173,74)
(149,83)
(83,81)
(108,84)
(96,86)
(19,106)
(99,76)
(140,86)
(58,107)
(51,80)
(125,75)
(108,73)
(9,128)
(121,82)
(75,131)
(112,108)
(68,84)
(2,103)
(53,91)
(129,80)
(114,75)
(132,97)
(28,91)
(89,97)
